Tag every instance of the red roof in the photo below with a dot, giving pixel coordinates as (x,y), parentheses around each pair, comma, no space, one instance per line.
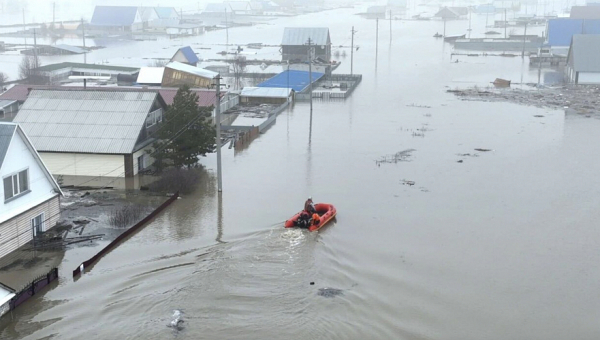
(205,97)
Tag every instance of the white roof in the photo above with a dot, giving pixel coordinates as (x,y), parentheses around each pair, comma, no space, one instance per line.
(5,295)
(266,92)
(175,65)
(150,75)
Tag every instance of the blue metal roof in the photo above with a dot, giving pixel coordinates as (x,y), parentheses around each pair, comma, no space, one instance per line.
(297,80)
(561,31)
(189,54)
(114,15)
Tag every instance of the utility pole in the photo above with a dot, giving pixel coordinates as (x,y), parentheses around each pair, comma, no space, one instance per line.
(444,27)
(469,21)
(390,26)
(352,53)
(505,23)
(376,40)
(310,43)
(83,37)
(218,128)
(226,34)
(24,27)
(524,36)
(35,54)
(53,13)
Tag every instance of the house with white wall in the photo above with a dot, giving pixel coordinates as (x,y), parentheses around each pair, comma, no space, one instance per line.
(29,204)
(583,64)
(92,132)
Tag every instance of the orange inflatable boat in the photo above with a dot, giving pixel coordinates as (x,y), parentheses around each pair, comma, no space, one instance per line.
(326,211)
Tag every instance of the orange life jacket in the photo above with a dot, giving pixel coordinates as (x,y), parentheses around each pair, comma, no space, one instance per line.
(316,219)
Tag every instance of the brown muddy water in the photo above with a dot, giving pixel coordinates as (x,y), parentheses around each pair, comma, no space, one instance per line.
(502,245)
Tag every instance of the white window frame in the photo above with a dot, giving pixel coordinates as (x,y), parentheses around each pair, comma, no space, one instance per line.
(43,225)
(18,192)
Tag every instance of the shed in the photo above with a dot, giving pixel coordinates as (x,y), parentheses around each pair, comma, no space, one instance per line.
(177,74)
(294,43)
(8,109)
(92,132)
(266,95)
(292,79)
(583,64)
(186,55)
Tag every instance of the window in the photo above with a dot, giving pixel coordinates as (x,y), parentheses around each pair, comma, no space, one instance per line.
(37,224)
(16,184)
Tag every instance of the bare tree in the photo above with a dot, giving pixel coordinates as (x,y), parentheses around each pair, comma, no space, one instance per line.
(28,69)
(239,68)
(3,79)
(158,63)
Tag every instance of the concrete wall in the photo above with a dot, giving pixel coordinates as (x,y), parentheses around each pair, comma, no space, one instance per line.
(77,164)
(17,231)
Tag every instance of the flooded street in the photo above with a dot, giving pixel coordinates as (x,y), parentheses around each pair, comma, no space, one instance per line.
(498,243)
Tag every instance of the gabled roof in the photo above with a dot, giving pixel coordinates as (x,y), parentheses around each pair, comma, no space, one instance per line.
(197,71)
(585,12)
(88,121)
(114,15)
(189,54)
(584,52)
(150,75)
(165,12)
(7,133)
(239,5)
(215,8)
(294,36)
(147,12)
(69,48)
(447,13)
(18,92)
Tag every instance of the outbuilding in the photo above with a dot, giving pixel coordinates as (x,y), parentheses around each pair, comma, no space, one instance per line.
(583,64)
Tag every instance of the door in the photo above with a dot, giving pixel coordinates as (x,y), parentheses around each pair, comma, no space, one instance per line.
(37,225)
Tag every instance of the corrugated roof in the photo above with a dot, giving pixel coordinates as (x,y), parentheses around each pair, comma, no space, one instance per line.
(584,52)
(72,49)
(150,75)
(561,31)
(585,12)
(7,131)
(192,70)
(114,15)
(239,5)
(266,92)
(86,121)
(299,35)
(447,13)
(295,80)
(17,92)
(54,67)
(189,54)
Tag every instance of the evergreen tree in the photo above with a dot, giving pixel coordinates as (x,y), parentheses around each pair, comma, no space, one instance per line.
(185,134)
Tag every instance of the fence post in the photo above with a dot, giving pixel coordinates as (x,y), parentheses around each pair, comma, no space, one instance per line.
(33,288)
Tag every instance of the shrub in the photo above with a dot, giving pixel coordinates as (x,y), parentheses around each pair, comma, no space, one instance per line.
(126,216)
(173,180)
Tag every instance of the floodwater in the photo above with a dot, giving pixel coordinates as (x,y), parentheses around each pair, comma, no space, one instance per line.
(502,245)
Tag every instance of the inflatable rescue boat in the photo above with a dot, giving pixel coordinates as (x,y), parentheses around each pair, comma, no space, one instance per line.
(326,212)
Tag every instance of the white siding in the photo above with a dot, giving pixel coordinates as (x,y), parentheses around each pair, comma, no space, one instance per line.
(179,55)
(76,164)
(589,78)
(148,159)
(18,158)
(17,231)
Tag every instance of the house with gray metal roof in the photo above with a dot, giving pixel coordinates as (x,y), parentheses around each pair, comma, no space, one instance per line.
(119,18)
(583,64)
(294,46)
(92,132)
(30,199)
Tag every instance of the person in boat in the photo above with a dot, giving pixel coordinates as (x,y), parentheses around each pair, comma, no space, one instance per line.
(316,219)
(309,206)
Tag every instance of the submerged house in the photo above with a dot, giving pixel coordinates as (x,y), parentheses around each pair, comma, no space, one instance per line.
(92,132)
(119,18)
(177,74)
(186,55)
(30,196)
(294,44)
(561,32)
(583,64)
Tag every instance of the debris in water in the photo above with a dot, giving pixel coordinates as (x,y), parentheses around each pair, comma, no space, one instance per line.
(460,161)
(330,292)
(410,183)
(312,283)
(538,116)
(401,156)
(177,322)
(483,150)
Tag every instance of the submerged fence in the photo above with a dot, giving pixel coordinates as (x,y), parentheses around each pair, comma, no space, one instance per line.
(127,233)
(33,288)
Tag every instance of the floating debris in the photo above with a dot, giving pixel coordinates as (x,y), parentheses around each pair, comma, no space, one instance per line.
(483,150)
(401,156)
(177,321)
(330,292)
(419,106)
(410,183)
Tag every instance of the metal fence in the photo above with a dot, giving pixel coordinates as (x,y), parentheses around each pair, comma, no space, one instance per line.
(33,288)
